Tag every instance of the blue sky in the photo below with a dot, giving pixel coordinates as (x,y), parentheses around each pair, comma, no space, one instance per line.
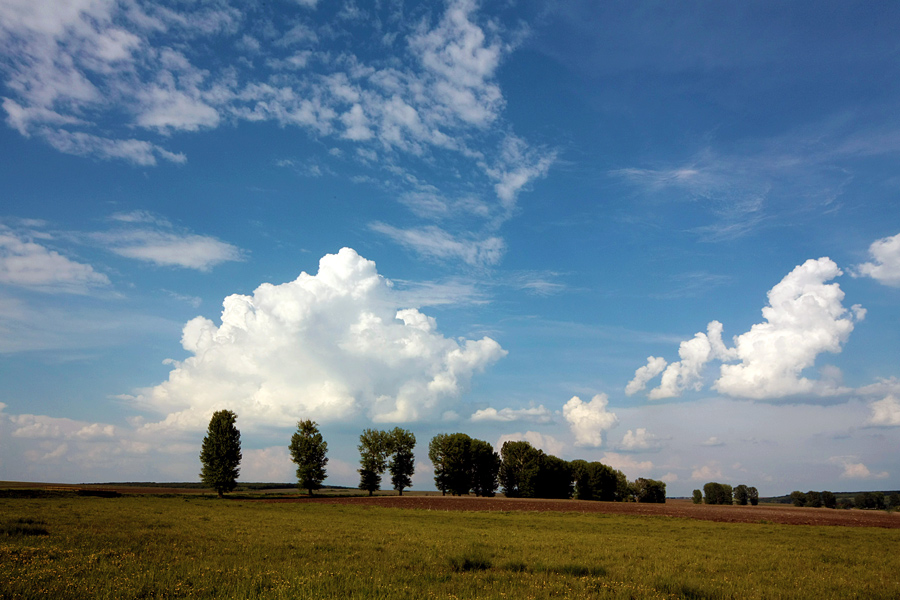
(663,236)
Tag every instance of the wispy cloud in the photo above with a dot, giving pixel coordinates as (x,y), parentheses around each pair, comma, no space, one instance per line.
(434,242)
(114,81)
(28,264)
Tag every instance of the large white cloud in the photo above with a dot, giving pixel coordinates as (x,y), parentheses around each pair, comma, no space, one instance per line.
(885,266)
(588,420)
(329,346)
(804,318)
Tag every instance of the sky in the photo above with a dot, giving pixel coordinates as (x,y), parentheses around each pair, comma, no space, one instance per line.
(664,236)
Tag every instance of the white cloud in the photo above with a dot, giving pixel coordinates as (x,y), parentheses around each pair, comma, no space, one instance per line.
(713,441)
(329,346)
(885,266)
(855,470)
(139,152)
(885,412)
(436,243)
(537,414)
(588,420)
(708,472)
(271,464)
(631,467)
(26,264)
(544,442)
(170,249)
(639,439)
(804,318)
(655,365)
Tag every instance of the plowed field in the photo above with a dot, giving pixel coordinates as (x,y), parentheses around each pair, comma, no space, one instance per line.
(782,514)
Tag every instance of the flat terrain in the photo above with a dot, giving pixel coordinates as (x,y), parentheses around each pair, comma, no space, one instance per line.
(73,544)
(781,514)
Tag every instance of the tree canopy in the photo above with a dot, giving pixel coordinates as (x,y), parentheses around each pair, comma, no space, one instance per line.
(401,443)
(308,451)
(220,454)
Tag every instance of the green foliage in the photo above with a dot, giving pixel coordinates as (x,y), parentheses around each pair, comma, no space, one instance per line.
(463,464)
(485,468)
(798,498)
(813,499)
(870,500)
(308,451)
(650,491)
(829,500)
(596,481)
(401,443)
(753,495)
(697,497)
(742,495)
(717,493)
(220,454)
(180,547)
(374,447)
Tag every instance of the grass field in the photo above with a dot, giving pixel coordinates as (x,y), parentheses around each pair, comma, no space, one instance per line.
(198,547)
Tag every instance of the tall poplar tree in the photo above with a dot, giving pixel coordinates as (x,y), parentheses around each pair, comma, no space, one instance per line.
(220,454)
(308,451)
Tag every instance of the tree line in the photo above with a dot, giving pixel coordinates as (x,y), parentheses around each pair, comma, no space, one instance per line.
(722,493)
(864,500)
(462,465)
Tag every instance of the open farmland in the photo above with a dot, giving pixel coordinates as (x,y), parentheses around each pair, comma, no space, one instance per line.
(193,546)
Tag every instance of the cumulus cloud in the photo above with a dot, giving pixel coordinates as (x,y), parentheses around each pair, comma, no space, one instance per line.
(852,469)
(25,263)
(627,464)
(639,439)
(804,318)
(544,442)
(329,346)
(708,472)
(885,412)
(713,441)
(588,420)
(655,365)
(537,414)
(885,264)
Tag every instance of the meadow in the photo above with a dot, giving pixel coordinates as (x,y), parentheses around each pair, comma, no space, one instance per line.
(178,546)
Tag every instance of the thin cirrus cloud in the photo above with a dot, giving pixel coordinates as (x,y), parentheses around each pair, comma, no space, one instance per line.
(805,317)
(331,346)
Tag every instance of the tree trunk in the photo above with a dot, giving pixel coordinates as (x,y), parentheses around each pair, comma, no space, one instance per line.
(220,494)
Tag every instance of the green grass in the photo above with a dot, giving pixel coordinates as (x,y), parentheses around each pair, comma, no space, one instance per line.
(198,547)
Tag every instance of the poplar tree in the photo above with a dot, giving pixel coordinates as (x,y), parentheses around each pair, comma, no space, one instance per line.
(220,454)
(308,451)
(401,443)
